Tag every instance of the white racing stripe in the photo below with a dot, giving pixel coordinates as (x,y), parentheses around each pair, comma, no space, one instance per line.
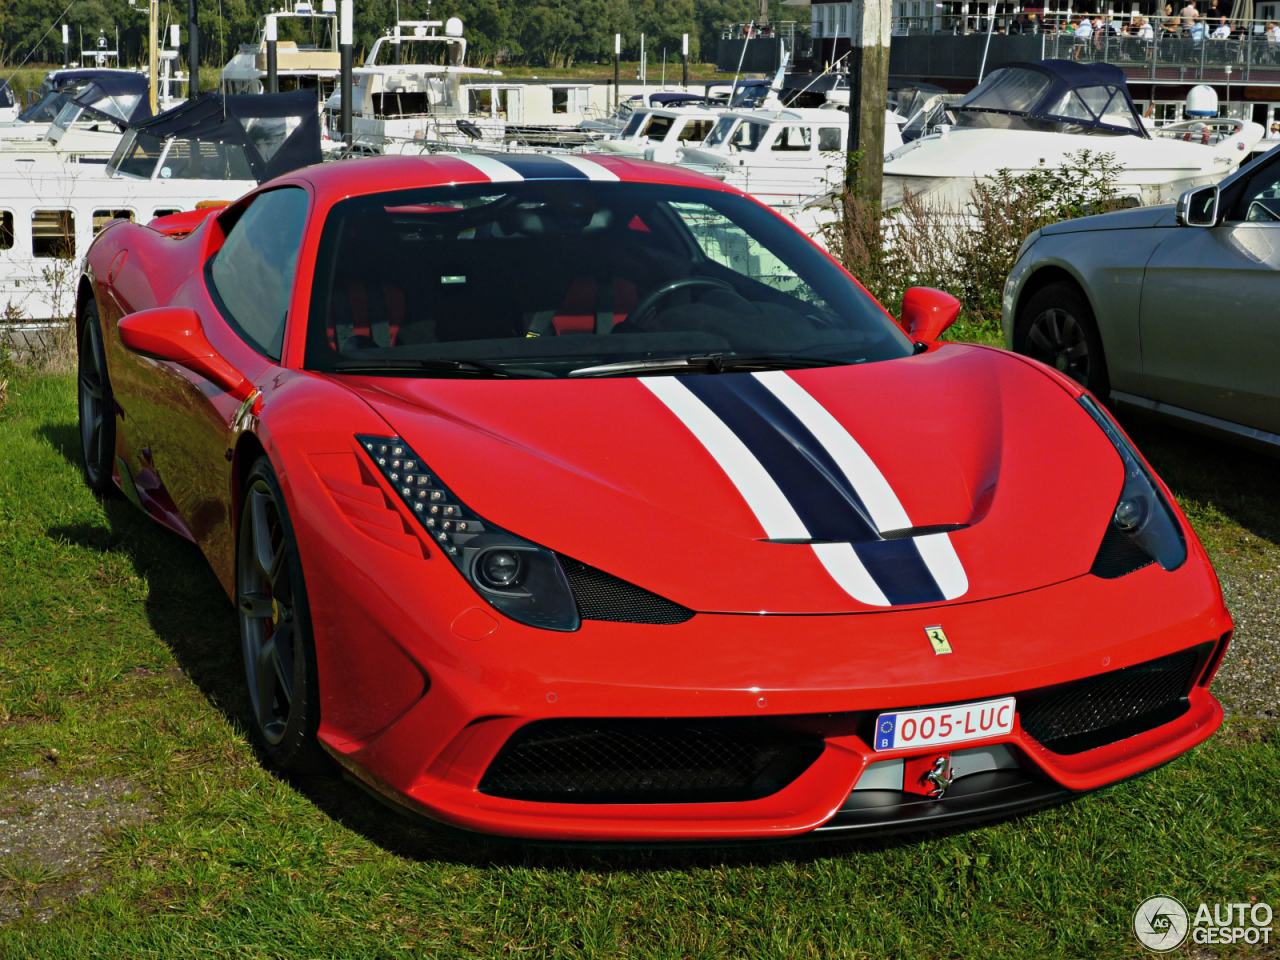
(495,170)
(766,501)
(764,498)
(593,170)
(882,503)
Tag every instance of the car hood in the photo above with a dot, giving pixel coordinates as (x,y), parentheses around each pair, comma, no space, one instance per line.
(679,485)
(1139,218)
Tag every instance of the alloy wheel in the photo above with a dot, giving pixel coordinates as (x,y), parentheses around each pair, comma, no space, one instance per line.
(265,601)
(1057,338)
(93,407)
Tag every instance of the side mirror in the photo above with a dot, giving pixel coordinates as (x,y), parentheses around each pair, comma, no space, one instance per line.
(1198,208)
(175,334)
(927,312)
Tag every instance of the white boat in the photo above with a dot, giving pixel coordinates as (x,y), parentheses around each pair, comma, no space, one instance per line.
(783,157)
(209,150)
(660,132)
(9,108)
(89,126)
(314,66)
(1037,116)
(400,107)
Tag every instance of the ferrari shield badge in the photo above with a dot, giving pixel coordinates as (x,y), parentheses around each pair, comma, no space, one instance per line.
(938,638)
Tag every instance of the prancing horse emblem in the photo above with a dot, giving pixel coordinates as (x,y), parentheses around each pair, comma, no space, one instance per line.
(939,639)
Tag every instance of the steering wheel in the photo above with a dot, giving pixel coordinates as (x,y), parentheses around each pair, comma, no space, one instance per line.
(640,312)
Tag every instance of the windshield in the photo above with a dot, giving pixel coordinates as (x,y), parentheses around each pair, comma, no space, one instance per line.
(6,94)
(543,278)
(633,124)
(720,133)
(45,110)
(68,115)
(118,107)
(137,156)
(1009,88)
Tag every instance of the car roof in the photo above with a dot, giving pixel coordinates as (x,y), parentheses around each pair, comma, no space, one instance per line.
(345,178)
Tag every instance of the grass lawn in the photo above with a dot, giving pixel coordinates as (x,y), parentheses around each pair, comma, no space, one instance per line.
(122,728)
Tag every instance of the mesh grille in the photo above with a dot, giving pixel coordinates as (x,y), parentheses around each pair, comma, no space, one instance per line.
(647,761)
(1089,713)
(1118,555)
(602,596)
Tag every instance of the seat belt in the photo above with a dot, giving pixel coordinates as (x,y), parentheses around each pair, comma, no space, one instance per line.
(379,321)
(343,327)
(542,323)
(604,305)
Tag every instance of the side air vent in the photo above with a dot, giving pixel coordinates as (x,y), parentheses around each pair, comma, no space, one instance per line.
(602,596)
(1118,555)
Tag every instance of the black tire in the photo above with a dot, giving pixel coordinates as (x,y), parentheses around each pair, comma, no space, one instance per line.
(271,598)
(97,406)
(1057,327)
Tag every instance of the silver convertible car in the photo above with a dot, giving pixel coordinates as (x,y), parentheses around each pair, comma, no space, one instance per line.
(1174,310)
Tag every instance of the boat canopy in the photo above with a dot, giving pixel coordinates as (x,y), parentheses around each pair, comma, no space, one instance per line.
(121,98)
(676,99)
(1059,95)
(225,137)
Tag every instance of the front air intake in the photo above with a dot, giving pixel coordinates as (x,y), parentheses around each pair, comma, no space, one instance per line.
(1098,710)
(648,761)
(602,596)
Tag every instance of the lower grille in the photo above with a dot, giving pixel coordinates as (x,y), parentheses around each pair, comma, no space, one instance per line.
(1089,713)
(648,761)
(602,596)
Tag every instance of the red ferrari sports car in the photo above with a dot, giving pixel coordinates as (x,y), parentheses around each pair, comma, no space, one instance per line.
(582,498)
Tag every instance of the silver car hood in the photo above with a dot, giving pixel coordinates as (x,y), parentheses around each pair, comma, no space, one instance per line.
(1136,219)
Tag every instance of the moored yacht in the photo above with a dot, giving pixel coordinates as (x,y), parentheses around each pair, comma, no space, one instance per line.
(209,150)
(90,124)
(1036,116)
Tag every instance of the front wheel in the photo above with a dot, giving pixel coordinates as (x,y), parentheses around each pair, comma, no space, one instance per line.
(97,406)
(275,628)
(1057,327)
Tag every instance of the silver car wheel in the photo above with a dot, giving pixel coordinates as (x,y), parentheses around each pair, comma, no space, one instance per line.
(1058,339)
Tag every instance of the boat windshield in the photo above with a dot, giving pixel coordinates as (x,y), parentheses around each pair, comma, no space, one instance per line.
(100,105)
(6,95)
(47,109)
(1010,88)
(186,158)
(558,278)
(720,132)
(634,124)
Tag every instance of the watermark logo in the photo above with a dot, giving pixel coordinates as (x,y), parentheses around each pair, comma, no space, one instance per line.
(1160,924)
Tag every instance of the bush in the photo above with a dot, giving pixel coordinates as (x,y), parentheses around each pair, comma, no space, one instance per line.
(968,251)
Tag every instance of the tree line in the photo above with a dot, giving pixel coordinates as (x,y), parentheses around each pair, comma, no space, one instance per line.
(552,33)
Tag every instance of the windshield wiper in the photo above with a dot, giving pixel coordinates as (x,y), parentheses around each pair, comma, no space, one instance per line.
(707,363)
(428,364)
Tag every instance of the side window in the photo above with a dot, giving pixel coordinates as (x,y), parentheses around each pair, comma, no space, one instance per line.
(1260,201)
(658,127)
(794,139)
(102,217)
(53,234)
(828,138)
(6,230)
(253,272)
(694,131)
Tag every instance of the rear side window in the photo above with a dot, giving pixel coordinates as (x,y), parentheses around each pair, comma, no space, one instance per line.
(252,275)
(828,138)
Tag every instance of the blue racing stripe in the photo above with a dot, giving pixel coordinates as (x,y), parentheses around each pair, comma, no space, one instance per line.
(539,166)
(813,483)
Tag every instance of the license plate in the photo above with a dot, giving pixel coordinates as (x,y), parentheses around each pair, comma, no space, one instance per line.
(939,726)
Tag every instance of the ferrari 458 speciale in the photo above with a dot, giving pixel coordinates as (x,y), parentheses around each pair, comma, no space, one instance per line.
(583,498)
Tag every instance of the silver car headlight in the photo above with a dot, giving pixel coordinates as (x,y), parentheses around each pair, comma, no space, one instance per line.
(1142,514)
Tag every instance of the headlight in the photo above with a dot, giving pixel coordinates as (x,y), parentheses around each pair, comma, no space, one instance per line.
(519,578)
(1141,514)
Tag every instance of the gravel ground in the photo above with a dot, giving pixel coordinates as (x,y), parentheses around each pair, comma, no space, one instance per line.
(1248,683)
(51,835)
